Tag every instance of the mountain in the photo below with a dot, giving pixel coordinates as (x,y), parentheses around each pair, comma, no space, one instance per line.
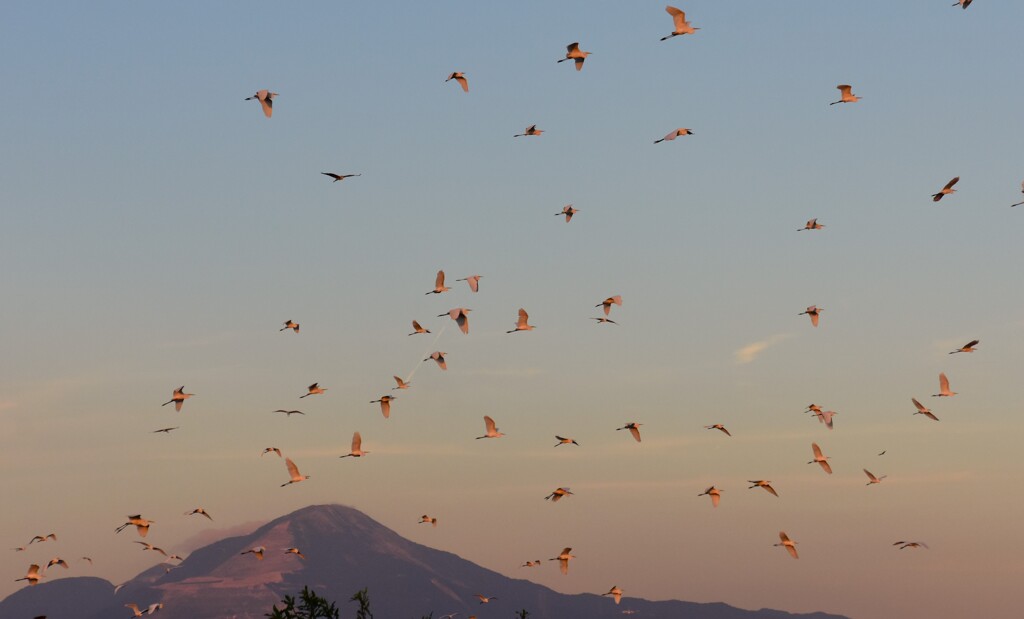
(346,551)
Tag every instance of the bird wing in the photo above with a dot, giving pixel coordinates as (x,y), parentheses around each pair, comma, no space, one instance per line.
(357,441)
(817,450)
(825,466)
(33,570)
(952,182)
(673,11)
(971,344)
(462,320)
(770,489)
(943,382)
(573,47)
(814,319)
(783,537)
(792,551)
(385,408)
(635,431)
(715,498)
(523,317)
(337,178)
(399,381)
(579,67)
(870,476)
(491,428)
(268,105)
(313,386)
(177,405)
(531,128)
(919,406)
(292,469)
(474,283)
(844,89)
(439,282)
(462,82)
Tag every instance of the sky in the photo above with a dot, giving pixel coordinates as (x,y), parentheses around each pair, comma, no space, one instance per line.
(158,230)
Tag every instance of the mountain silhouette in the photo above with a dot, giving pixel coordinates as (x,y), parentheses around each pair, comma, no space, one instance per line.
(345,551)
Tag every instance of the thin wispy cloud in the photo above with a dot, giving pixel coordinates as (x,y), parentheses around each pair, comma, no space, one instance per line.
(748,353)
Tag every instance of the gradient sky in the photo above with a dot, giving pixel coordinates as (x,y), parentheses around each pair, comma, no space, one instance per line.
(158,229)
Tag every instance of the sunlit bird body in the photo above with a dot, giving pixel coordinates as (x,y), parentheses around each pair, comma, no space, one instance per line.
(492,429)
(438,358)
(439,287)
(32,576)
(425,519)
(812,224)
(968,347)
(201,512)
(141,525)
(266,99)
(314,389)
(674,134)
(763,483)
(531,130)
(461,317)
(563,440)
(813,312)
(921,410)
(681,25)
(569,211)
(714,493)
(357,447)
(820,459)
(788,544)
(845,95)
(484,599)
(825,417)
(290,324)
(416,328)
(459,77)
(401,383)
(945,191)
(718,426)
(634,429)
(532,563)
(178,398)
(606,305)
(872,479)
(963,3)
(385,404)
(944,391)
(293,470)
(616,594)
(574,53)
(521,324)
(557,495)
(563,559)
(473,281)
(257,552)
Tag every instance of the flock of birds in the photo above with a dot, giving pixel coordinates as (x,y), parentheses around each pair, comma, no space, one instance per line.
(460,316)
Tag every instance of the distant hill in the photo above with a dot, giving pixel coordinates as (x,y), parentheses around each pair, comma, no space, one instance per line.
(346,551)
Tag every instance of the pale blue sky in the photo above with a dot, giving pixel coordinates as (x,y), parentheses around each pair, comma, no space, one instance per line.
(159,229)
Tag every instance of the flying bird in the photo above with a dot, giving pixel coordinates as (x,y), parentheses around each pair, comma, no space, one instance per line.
(178,398)
(357,447)
(32,576)
(531,563)
(257,551)
(602,320)
(634,429)
(872,479)
(56,561)
(461,317)
(607,304)
(266,100)
(948,189)
(616,594)
(401,383)
(416,328)
(573,53)
(425,519)
(569,211)
(141,525)
(825,417)
(903,544)
(271,449)
(385,404)
(963,3)
(439,287)
(718,426)
(681,25)
(89,559)
(314,389)
(165,430)
(812,224)
(200,511)
(1022,191)
(473,281)
(788,544)
(148,546)
(921,410)
(557,495)
(944,391)
(290,324)
(294,472)
(563,559)
(714,493)
(459,77)
(289,413)
(820,459)
(968,347)
(812,311)
(484,599)
(42,538)
(294,551)
(674,134)
(531,130)
(338,177)
(562,440)
(521,323)
(763,483)
(845,95)
(492,430)
(438,358)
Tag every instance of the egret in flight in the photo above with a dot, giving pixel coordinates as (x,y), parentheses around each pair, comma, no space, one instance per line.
(681,25)
(257,551)
(385,405)
(714,493)
(718,426)
(32,576)
(763,483)
(563,559)
(416,328)
(266,99)
(459,77)
(674,134)
(607,304)
(616,594)
(439,287)
(492,430)
(438,358)
(200,511)
(569,211)
(141,525)
(531,130)
(401,383)
(425,519)
(563,440)
(357,447)
(294,551)
(1022,191)
(845,95)
(271,450)
(634,429)
(178,398)
(294,472)
(473,281)
(872,479)
(813,312)
(921,410)
(461,317)
(557,495)
(944,391)
(812,224)
(339,177)
(290,324)
(968,347)
(314,389)
(820,459)
(788,544)
(573,53)
(521,323)
(948,189)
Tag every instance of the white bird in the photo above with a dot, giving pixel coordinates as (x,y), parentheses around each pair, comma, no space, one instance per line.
(948,189)
(531,130)
(200,511)
(1022,191)
(563,559)
(290,324)
(607,304)
(339,177)
(825,417)
(812,311)
(32,576)
(557,495)
(521,323)
(763,483)
(257,551)
(845,95)
(616,594)
(151,609)
(56,561)
(43,538)
(141,525)
(289,413)
(820,459)
(294,472)
(563,440)
(484,599)
(812,224)
(357,447)
(266,100)
(459,77)
(148,546)
(271,449)
(968,347)
(416,328)
(674,134)
(681,25)
(492,430)
(314,389)
(178,398)
(425,519)
(921,410)
(439,287)
(872,478)
(531,563)
(788,544)
(569,211)
(714,493)
(438,358)
(401,383)
(461,317)
(473,281)
(573,53)
(718,426)
(385,405)
(634,429)
(294,551)
(963,3)
(944,391)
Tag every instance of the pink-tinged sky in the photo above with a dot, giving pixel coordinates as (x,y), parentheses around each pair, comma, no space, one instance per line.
(158,230)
